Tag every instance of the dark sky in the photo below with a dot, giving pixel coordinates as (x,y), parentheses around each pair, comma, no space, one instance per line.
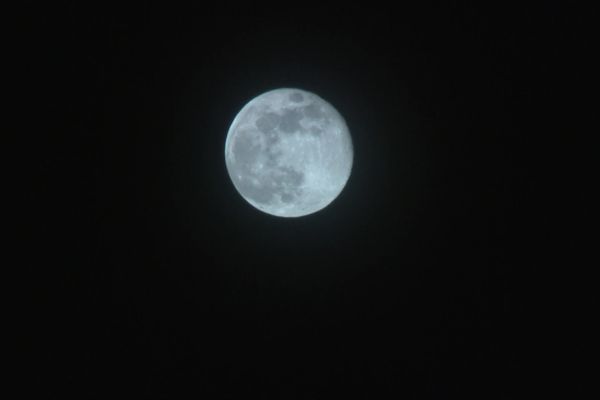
(155,279)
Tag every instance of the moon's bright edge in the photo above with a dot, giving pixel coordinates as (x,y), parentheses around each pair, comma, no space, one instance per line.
(289,153)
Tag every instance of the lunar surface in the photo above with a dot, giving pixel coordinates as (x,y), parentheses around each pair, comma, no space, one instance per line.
(289,153)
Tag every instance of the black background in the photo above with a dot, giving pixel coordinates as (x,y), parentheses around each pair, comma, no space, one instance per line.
(154,279)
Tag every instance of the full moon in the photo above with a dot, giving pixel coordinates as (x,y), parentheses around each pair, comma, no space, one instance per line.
(288,153)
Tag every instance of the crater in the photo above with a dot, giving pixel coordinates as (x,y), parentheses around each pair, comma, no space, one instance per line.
(271,138)
(267,122)
(289,177)
(261,193)
(290,121)
(245,150)
(316,131)
(272,157)
(287,182)
(296,97)
(283,181)
(313,111)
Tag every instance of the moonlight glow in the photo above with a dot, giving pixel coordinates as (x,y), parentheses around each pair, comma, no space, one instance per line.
(289,153)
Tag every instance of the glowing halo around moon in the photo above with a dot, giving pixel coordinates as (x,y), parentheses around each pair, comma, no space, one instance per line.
(289,153)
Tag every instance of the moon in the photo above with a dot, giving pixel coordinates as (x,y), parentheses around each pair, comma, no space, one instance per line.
(289,153)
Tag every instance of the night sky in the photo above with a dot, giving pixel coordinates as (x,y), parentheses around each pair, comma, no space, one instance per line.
(154,279)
